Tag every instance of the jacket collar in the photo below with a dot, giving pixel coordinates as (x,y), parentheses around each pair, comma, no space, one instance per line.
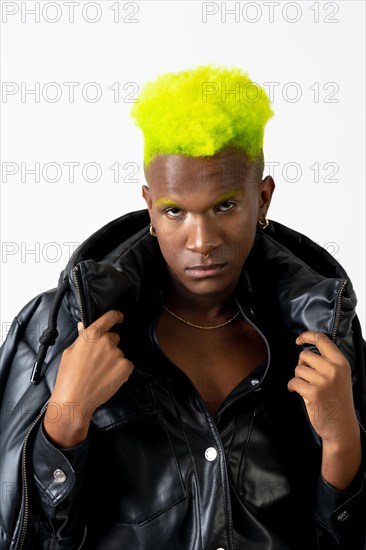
(121,265)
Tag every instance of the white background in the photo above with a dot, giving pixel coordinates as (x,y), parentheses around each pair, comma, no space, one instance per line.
(308,55)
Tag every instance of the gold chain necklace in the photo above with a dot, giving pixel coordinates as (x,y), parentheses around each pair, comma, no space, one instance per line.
(198,326)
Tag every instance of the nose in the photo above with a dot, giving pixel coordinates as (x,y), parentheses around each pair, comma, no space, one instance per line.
(203,238)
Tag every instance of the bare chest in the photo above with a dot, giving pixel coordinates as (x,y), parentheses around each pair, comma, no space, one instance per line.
(216,361)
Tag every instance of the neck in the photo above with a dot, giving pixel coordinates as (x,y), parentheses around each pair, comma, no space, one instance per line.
(205,308)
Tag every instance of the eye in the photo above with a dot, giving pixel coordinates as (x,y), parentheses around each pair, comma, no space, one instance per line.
(225,206)
(173,212)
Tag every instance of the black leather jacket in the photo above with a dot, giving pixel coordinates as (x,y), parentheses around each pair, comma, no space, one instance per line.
(157,471)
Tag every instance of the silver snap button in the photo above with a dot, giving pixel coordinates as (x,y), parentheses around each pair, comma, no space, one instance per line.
(59,476)
(343,516)
(254,382)
(220,548)
(210,454)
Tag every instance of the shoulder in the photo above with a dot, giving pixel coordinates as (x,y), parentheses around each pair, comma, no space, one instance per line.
(19,350)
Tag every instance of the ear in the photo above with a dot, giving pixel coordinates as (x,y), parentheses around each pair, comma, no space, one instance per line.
(267,186)
(146,193)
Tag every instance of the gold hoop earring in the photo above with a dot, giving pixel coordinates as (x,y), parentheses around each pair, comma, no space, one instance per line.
(152,230)
(263,223)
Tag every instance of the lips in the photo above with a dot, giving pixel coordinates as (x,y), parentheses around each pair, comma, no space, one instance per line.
(207,270)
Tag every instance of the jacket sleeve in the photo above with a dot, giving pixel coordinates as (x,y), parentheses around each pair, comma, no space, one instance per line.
(341,515)
(21,405)
(58,479)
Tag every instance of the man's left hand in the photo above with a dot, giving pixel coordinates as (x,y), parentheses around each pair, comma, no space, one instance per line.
(324,382)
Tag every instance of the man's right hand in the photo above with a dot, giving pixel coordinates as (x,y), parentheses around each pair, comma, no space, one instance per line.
(91,370)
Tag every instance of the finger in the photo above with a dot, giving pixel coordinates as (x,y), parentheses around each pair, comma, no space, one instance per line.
(115,338)
(313,360)
(301,387)
(325,345)
(308,374)
(106,321)
(123,370)
(129,367)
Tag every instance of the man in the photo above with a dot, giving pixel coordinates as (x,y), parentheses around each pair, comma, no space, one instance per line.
(174,410)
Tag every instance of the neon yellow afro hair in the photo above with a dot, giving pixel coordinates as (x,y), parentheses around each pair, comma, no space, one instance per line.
(201,111)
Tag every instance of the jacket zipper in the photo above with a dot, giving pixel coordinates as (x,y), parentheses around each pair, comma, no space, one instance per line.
(24,526)
(78,286)
(338,309)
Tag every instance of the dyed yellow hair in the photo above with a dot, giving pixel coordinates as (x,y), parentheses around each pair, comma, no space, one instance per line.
(201,111)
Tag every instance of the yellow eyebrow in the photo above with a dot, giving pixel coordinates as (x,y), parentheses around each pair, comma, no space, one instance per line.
(164,201)
(227,196)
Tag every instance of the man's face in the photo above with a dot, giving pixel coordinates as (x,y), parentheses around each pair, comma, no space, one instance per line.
(205,205)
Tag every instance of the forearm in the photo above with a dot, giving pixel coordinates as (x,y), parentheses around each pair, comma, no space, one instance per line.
(341,513)
(341,459)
